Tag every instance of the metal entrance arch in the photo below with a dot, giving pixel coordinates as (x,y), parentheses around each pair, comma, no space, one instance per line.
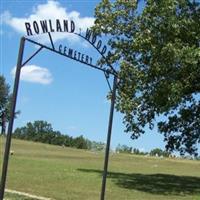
(20,64)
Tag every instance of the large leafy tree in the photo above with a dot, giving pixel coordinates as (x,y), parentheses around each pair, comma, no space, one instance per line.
(157,48)
(42,131)
(37,131)
(5,103)
(4,99)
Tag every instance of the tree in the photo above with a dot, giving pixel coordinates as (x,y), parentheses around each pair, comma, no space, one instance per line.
(4,102)
(157,50)
(4,93)
(97,146)
(80,142)
(42,131)
(123,149)
(37,131)
(159,152)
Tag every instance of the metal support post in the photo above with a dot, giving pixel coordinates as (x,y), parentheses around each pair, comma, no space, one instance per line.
(103,187)
(11,121)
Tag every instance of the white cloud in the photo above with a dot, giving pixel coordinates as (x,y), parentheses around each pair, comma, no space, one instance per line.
(34,74)
(50,10)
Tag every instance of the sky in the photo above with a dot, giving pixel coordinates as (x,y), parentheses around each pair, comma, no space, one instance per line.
(69,95)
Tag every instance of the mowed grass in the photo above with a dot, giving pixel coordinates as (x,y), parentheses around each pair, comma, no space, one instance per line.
(9,196)
(72,174)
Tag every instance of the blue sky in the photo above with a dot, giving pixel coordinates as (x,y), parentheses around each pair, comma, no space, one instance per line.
(69,95)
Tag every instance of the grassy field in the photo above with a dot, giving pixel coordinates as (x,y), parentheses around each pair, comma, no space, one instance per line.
(9,196)
(71,174)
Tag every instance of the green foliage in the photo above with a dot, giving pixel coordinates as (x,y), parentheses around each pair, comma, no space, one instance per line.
(37,131)
(4,97)
(5,102)
(130,150)
(158,53)
(159,152)
(123,149)
(97,146)
(80,143)
(42,131)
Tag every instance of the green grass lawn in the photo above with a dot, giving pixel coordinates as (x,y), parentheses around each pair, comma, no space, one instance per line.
(71,174)
(9,196)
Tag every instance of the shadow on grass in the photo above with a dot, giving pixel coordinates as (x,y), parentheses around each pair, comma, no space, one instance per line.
(164,184)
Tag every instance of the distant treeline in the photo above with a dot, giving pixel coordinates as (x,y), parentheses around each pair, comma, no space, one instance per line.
(157,152)
(42,131)
(153,152)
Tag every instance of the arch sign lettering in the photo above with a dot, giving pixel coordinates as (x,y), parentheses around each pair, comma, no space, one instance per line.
(68,26)
(62,26)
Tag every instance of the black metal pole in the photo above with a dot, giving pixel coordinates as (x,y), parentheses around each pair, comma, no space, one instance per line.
(11,121)
(103,187)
